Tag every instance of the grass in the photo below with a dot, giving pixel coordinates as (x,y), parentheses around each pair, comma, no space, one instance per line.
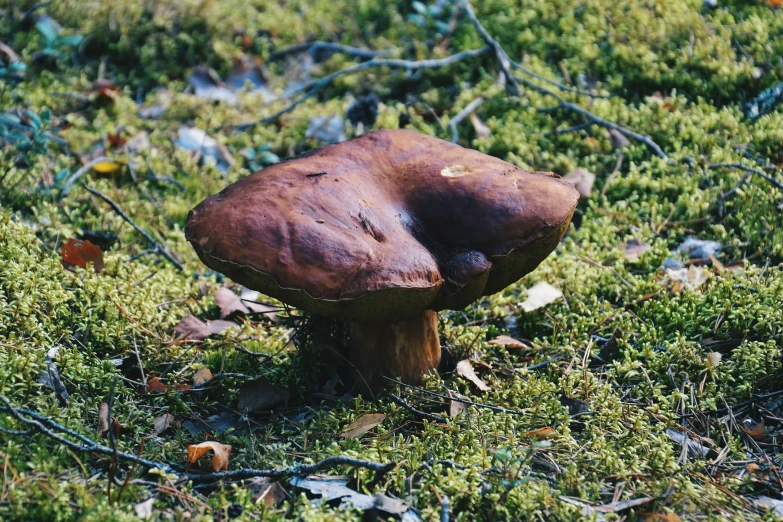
(678,72)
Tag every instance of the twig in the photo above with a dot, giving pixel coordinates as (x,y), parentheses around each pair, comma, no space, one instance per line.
(461,115)
(83,170)
(312,88)
(416,412)
(518,66)
(613,174)
(313,47)
(500,54)
(161,249)
(455,399)
(295,470)
(750,172)
(50,428)
(721,411)
(444,509)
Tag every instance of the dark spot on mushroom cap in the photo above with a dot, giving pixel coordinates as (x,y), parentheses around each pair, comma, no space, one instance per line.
(396,238)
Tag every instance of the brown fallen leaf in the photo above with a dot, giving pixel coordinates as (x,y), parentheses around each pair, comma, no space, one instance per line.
(229,302)
(456,408)
(582,180)
(103,422)
(546,432)
(162,423)
(219,460)
(202,375)
(260,395)
(633,249)
(540,295)
(754,429)
(78,252)
(509,342)
(197,330)
(362,425)
(465,368)
(155,385)
(270,493)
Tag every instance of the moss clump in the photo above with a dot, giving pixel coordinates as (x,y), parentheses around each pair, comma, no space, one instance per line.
(677,72)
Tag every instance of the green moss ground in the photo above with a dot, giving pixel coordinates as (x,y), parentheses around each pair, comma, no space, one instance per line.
(679,72)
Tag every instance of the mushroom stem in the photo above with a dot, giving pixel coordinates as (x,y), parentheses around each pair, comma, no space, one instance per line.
(406,350)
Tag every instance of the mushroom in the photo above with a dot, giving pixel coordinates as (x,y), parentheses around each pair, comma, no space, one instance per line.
(382,231)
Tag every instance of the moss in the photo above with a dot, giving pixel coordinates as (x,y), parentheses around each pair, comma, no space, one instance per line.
(678,73)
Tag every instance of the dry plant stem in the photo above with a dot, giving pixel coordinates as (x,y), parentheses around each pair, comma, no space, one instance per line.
(461,115)
(314,87)
(417,412)
(407,349)
(84,170)
(160,249)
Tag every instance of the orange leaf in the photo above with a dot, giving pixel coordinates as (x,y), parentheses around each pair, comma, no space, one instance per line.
(219,461)
(155,385)
(659,517)
(543,433)
(77,252)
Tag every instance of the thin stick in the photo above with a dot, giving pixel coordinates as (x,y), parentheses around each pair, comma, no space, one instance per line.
(312,88)
(161,249)
(500,54)
(416,412)
(727,409)
(313,47)
(461,115)
(750,172)
(562,87)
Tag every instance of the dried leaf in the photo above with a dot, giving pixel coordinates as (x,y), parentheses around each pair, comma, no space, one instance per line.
(713,359)
(539,296)
(582,180)
(329,129)
(546,432)
(465,369)
(197,140)
(78,252)
(103,419)
(633,249)
(155,385)
(229,303)
(575,406)
(260,395)
(754,429)
(695,448)
(162,423)
(271,493)
(482,131)
(692,278)
(207,84)
(195,329)
(219,460)
(773,505)
(143,510)
(509,342)
(696,248)
(202,375)
(332,488)
(456,408)
(50,378)
(362,425)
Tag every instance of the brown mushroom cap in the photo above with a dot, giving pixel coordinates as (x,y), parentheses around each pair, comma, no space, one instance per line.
(383,227)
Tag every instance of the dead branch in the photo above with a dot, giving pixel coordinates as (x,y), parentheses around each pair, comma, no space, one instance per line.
(313,47)
(750,172)
(418,413)
(56,432)
(159,248)
(312,88)
(519,67)
(461,115)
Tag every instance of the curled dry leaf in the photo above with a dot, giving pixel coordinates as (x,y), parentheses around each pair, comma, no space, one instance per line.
(582,180)
(78,252)
(219,460)
(633,249)
(362,425)
(509,342)
(162,423)
(202,375)
(260,395)
(465,368)
(231,304)
(754,429)
(104,423)
(456,408)
(539,296)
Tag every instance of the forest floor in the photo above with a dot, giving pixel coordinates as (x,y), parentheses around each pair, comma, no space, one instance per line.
(652,389)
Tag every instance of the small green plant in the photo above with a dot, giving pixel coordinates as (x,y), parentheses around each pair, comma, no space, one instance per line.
(55,43)
(257,159)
